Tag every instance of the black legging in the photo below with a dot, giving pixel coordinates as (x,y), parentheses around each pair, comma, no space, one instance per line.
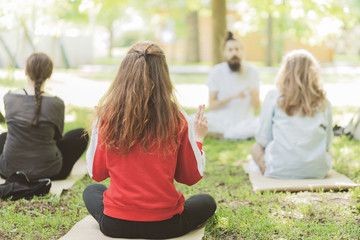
(71,146)
(2,141)
(197,209)
(2,118)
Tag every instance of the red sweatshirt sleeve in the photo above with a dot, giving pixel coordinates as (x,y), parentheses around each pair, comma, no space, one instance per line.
(191,159)
(95,158)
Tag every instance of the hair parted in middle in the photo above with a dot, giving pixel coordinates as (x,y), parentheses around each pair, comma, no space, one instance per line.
(299,83)
(140,106)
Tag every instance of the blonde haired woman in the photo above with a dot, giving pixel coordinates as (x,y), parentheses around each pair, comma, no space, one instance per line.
(295,131)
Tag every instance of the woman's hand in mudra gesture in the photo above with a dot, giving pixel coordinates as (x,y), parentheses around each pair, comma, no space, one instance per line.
(200,124)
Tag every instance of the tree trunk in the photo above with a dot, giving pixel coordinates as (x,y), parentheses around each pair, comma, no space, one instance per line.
(269,40)
(219,29)
(27,35)
(111,32)
(192,46)
(13,63)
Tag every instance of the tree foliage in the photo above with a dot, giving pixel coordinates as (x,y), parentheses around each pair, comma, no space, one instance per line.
(310,21)
(178,17)
(68,10)
(303,18)
(110,11)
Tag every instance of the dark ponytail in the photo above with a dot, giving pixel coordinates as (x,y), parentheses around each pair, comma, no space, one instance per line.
(39,68)
(38,97)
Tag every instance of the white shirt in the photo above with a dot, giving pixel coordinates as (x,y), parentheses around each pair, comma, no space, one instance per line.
(226,83)
(295,146)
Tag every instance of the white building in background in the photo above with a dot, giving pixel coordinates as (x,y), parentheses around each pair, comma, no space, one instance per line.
(71,49)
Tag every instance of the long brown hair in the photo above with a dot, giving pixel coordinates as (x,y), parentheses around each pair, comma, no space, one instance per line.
(39,67)
(299,83)
(140,105)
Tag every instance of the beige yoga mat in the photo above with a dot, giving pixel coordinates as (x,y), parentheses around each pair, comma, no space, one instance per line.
(79,170)
(88,229)
(332,181)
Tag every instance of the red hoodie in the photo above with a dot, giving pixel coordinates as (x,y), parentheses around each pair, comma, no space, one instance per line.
(142,184)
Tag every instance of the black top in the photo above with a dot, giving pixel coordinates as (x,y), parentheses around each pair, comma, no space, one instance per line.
(32,149)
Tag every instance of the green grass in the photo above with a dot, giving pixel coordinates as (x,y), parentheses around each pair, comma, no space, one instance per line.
(349,59)
(241,213)
(266,77)
(12,83)
(189,78)
(109,61)
(47,217)
(97,76)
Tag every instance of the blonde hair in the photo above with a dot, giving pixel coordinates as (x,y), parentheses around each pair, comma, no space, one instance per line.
(299,83)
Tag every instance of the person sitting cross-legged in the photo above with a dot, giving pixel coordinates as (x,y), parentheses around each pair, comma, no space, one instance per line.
(294,136)
(143,142)
(233,94)
(34,142)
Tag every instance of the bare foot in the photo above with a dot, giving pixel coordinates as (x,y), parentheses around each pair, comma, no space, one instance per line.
(258,152)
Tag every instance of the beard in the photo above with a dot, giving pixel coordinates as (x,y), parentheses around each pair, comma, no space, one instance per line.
(234,64)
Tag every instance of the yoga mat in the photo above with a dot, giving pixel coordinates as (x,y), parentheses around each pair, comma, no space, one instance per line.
(332,181)
(79,170)
(88,229)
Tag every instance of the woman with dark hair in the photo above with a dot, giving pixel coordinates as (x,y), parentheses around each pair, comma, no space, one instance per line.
(143,142)
(34,142)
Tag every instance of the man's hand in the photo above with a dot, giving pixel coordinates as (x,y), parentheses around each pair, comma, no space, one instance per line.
(240,95)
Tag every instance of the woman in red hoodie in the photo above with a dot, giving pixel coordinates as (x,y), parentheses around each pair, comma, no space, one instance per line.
(142,141)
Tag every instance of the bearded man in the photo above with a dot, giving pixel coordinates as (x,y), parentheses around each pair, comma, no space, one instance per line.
(233,94)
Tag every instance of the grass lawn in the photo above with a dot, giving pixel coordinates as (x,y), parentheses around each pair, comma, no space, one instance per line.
(11,78)
(266,77)
(241,213)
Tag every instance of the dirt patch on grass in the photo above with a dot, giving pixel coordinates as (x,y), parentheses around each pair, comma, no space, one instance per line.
(43,207)
(36,208)
(340,198)
(4,237)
